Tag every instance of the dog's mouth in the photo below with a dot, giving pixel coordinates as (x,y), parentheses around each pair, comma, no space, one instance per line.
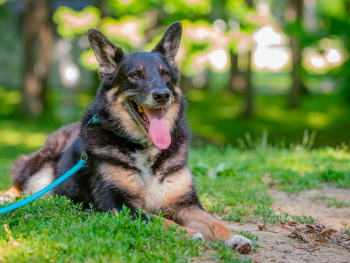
(153,122)
(140,113)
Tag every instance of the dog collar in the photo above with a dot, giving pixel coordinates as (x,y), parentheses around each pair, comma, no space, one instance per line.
(94,120)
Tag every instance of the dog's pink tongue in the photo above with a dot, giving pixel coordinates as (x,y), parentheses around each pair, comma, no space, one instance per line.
(158,131)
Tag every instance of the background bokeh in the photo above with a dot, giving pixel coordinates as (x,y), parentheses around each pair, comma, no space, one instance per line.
(276,71)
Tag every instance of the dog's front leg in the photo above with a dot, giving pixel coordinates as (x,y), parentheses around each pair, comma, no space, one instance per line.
(212,229)
(182,205)
(190,233)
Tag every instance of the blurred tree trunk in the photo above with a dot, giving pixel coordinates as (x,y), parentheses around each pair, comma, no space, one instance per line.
(185,83)
(347,64)
(236,84)
(296,87)
(101,5)
(296,11)
(248,91)
(36,27)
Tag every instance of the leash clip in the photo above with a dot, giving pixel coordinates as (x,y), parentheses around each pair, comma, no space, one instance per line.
(94,120)
(84,157)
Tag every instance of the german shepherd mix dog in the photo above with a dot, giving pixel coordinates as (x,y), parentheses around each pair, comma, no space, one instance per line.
(137,141)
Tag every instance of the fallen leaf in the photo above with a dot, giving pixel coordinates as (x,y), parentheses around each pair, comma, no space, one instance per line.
(299,246)
(262,227)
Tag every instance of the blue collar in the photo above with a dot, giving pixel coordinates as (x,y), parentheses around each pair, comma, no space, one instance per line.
(95,121)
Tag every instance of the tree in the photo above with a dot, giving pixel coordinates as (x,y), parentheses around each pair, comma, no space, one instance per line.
(36,27)
(242,12)
(296,14)
(248,91)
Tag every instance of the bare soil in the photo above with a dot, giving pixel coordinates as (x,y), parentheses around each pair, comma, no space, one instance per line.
(276,246)
(303,204)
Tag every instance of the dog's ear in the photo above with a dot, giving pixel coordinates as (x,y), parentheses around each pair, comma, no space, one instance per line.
(170,42)
(108,55)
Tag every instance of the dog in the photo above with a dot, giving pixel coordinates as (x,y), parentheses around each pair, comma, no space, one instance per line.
(136,139)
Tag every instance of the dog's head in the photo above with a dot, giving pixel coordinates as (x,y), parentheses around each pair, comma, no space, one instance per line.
(140,89)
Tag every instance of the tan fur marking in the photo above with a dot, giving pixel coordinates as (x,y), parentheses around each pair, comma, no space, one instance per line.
(121,177)
(15,190)
(178,90)
(178,184)
(171,115)
(173,110)
(169,224)
(130,126)
(180,157)
(108,151)
(203,222)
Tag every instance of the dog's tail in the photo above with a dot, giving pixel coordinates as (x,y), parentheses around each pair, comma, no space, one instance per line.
(56,143)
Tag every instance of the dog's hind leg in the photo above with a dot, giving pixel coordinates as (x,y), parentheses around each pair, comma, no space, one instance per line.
(56,143)
(22,171)
(11,194)
(33,172)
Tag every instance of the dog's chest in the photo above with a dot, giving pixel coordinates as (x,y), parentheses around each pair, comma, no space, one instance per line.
(143,160)
(152,190)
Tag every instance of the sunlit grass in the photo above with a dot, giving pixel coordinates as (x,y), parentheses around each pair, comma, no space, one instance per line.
(27,139)
(9,100)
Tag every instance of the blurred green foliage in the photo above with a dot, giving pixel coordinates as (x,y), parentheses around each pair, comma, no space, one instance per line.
(214,117)
(71,23)
(215,111)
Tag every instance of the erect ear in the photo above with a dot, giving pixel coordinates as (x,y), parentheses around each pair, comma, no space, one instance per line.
(170,42)
(107,54)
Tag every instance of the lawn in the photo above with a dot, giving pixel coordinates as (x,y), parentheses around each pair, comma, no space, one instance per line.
(232,183)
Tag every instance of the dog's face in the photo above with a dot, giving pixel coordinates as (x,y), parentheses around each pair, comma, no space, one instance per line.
(141,88)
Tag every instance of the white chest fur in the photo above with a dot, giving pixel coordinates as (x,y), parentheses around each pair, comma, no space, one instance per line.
(153,191)
(144,161)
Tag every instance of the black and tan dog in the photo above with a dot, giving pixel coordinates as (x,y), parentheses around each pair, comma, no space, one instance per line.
(137,141)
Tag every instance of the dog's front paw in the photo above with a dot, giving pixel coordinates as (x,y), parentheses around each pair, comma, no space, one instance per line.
(239,243)
(197,236)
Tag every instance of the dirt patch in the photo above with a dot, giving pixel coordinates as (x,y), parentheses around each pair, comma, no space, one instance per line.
(278,247)
(304,203)
(275,243)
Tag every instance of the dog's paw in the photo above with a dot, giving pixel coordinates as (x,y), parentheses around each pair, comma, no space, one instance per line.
(7,197)
(197,236)
(239,243)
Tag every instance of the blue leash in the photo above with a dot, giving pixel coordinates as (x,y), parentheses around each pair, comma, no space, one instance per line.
(82,162)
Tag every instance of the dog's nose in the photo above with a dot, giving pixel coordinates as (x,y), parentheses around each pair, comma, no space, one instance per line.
(161,95)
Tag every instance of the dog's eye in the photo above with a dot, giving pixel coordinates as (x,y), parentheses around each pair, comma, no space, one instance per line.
(165,75)
(135,76)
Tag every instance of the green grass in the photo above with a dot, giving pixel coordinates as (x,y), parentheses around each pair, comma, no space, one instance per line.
(332,201)
(231,182)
